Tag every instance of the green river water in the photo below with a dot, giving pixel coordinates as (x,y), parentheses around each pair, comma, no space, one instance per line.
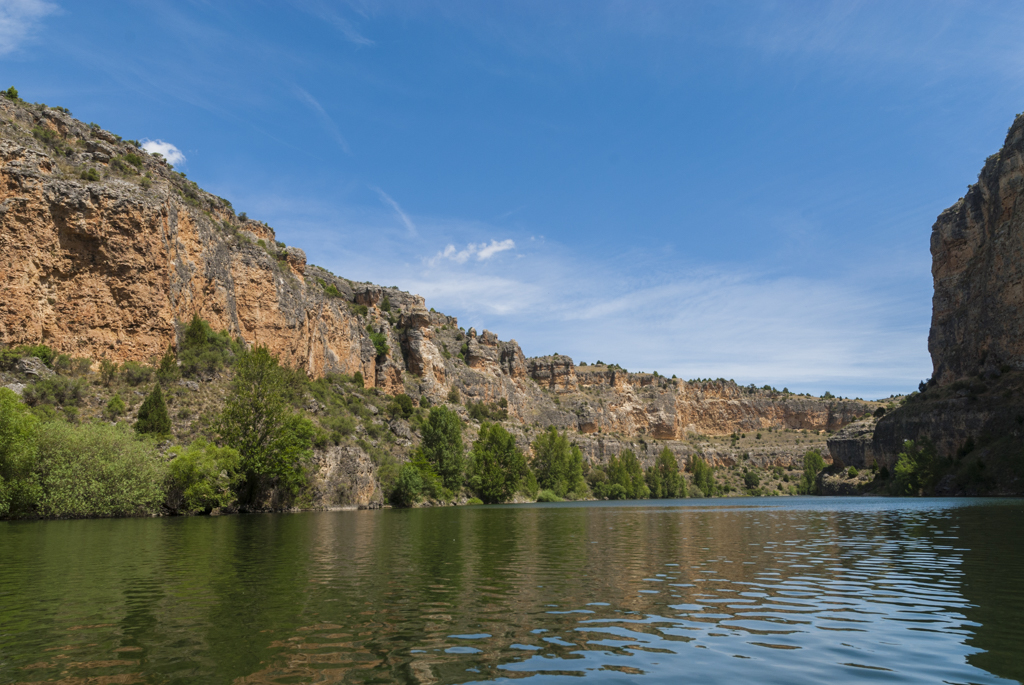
(782,590)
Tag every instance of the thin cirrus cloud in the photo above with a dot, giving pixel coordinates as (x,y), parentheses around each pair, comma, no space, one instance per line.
(402,216)
(324,117)
(19,19)
(480,252)
(169,151)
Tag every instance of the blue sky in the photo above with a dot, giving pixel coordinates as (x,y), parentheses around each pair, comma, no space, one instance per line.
(742,190)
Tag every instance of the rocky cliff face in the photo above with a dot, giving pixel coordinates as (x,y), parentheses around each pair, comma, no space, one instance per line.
(972,410)
(976,245)
(106,252)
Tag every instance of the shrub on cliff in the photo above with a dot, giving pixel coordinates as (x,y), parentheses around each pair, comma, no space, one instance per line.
(401,406)
(203,351)
(58,390)
(97,469)
(201,477)
(134,373)
(442,446)
(497,466)
(558,465)
(19,485)
(153,417)
(274,444)
(918,469)
(8,358)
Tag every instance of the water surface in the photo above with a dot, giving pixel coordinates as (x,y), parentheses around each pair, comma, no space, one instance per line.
(794,590)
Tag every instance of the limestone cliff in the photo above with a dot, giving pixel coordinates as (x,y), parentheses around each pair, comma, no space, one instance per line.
(972,409)
(106,251)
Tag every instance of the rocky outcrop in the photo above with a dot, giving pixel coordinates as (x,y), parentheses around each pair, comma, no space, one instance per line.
(854,445)
(976,245)
(105,252)
(345,476)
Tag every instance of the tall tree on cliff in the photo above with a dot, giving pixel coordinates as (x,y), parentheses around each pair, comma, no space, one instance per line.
(275,443)
(153,416)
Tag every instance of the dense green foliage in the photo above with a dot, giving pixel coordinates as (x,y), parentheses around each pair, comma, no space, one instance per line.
(703,476)
(57,390)
(9,356)
(625,478)
(153,417)
(203,351)
(97,470)
(918,469)
(813,465)
(274,443)
(201,477)
(442,446)
(664,479)
(408,486)
(497,466)
(483,411)
(19,487)
(401,406)
(558,465)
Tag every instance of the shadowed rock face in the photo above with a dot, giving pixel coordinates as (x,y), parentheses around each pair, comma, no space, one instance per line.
(977,244)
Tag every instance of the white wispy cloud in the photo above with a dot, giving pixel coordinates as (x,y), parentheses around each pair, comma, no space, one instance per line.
(325,12)
(390,202)
(170,151)
(19,19)
(324,117)
(480,251)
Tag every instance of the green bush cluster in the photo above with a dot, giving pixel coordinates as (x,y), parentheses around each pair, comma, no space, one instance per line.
(9,357)
(484,411)
(813,465)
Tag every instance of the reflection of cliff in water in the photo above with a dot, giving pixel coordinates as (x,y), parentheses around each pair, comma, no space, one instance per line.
(992,584)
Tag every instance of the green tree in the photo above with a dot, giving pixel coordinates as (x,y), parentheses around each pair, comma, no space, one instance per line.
(918,469)
(626,471)
(813,464)
(168,371)
(408,486)
(19,487)
(558,464)
(153,416)
(703,476)
(663,478)
(115,407)
(442,446)
(401,406)
(497,465)
(201,476)
(204,351)
(274,444)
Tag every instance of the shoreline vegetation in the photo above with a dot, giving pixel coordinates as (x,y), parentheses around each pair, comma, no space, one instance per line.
(254,450)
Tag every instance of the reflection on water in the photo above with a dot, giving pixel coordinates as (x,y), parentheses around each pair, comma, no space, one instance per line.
(794,591)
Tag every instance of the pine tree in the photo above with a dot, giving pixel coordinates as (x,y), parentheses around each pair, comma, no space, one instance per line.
(153,416)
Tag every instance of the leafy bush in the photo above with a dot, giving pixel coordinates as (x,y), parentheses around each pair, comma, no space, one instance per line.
(401,406)
(481,411)
(497,466)
(474,501)
(453,396)
(331,290)
(751,479)
(97,470)
(135,374)
(9,357)
(852,472)
(548,496)
(11,93)
(19,485)
(201,477)
(424,402)
(153,416)
(90,175)
(74,366)
(380,342)
(167,371)
(115,407)
(360,309)
(146,182)
(558,465)
(204,352)
(58,390)
(108,371)
(408,486)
